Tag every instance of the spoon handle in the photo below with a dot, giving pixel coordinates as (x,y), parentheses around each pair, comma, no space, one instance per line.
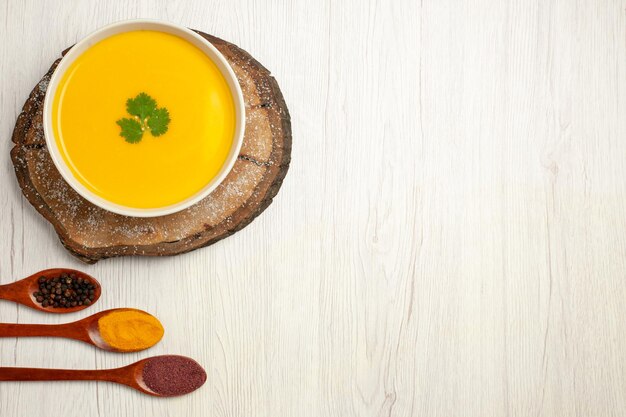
(34,330)
(9,292)
(41,374)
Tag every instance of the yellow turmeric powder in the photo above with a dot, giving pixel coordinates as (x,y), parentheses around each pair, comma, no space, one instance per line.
(130,330)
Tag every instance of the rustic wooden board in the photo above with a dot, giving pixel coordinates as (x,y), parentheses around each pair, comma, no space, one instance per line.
(91,233)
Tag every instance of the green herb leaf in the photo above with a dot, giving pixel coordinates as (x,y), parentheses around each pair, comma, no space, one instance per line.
(146,117)
(141,106)
(158,122)
(131,130)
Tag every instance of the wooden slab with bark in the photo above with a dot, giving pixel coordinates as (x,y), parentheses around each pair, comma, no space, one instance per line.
(92,234)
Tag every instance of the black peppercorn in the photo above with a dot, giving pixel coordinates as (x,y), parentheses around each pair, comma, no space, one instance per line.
(64,291)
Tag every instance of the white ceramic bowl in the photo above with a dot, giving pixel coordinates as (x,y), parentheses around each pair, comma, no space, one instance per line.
(127,26)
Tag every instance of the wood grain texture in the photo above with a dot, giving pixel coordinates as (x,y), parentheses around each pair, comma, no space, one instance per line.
(450,239)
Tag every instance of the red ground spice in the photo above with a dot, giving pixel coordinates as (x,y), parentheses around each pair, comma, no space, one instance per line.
(171,375)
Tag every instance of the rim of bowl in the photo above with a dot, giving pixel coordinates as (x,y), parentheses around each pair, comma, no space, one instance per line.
(127,26)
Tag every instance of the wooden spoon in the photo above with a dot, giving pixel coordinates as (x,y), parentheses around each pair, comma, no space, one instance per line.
(131,375)
(22,291)
(85,330)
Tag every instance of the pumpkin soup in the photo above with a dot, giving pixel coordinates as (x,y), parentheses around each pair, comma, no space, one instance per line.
(144,119)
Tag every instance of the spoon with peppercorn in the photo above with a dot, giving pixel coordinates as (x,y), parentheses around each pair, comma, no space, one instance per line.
(58,290)
(116,330)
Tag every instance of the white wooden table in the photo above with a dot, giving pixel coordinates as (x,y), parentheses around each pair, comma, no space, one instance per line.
(450,239)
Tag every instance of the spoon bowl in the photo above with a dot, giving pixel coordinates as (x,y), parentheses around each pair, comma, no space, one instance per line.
(91,325)
(22,291)
(138,378)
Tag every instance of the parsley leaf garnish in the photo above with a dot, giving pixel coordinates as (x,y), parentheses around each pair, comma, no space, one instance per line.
(146,115)
(159,121)
(141,106)
(131,130)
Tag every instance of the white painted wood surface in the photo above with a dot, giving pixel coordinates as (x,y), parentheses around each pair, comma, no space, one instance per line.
(450,239)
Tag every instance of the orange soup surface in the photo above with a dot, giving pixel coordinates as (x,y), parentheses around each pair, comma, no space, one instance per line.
(156,170)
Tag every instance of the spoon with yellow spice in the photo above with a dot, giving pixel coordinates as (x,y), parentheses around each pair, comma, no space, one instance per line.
(117,330)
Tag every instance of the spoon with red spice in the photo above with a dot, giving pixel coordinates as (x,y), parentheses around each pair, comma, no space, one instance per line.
(58,290)
(161,376)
